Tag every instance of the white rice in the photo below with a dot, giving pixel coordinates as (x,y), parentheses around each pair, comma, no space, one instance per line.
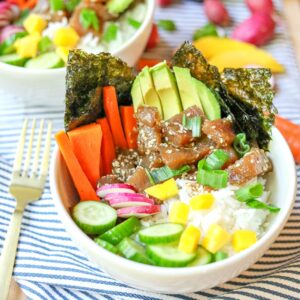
(226,211)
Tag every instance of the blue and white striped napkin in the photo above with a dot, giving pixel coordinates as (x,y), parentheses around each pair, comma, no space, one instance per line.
(49,266)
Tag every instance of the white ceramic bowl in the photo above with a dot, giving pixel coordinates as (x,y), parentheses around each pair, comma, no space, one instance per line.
(47,87)
(281,183)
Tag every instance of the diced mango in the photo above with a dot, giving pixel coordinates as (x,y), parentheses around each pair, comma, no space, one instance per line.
(34,23)
(63,53)
(27,47)
(204,201)
(179,213)
(216,238)
(189,239)
(163,191)
(66,37)
(243,239)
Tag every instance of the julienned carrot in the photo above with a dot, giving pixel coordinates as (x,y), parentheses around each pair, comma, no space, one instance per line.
(143,62)
(108,152)
(81,182)
(129,125)
(111,109)
(86,145)
(291,133)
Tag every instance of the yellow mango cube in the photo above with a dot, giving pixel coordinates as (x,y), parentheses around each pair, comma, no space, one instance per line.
(27,47)
(34,23)
(215,238)
(66,37)
(243,239)
(179,213)
(163,191)
(63,53)
(189,239)
(204,201)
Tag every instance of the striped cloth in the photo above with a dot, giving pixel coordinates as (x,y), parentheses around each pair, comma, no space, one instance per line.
(49,265)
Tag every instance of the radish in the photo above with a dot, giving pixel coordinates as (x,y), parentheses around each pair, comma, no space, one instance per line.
(127,201)
(257,30)
(115,188)
(138,211)
(265,6)
(216,12)
(113,196)
(9,31)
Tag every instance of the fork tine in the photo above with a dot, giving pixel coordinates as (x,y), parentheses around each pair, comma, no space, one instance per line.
(38,147)
(29,150)
(45,161)
(19,154)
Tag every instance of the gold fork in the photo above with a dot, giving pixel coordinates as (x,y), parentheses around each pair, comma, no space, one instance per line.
(27,184)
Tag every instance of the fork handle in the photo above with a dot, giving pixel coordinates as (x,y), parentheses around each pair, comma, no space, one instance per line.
(8,254)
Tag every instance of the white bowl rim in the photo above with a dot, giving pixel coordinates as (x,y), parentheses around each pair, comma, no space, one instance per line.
(270,235)
(21,70)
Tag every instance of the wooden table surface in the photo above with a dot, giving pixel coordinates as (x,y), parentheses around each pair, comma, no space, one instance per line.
(292,14)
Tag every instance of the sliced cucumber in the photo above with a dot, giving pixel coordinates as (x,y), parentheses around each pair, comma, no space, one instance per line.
(94,217)
(13,59)
(121,231)
(167,256)
(220,255)
(161,233)
(49,60)
(106,245)
(204,257)
(133,251)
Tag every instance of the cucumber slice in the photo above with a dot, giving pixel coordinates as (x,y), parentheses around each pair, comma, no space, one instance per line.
(133,251)
(121,231)
(166,256)
(204,257)
(220,255)
(161,233)
(94,217)
(13,59)
(106,245)
(48,60)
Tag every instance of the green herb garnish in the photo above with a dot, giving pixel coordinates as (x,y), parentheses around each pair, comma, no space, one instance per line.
(88,18)
(207,30)
(56,5)
(71,5)
(254,203)
(134,23)
(110,33)
(167,25)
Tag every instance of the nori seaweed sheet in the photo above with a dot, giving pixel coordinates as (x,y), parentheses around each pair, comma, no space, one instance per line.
(86,75)
(248,116)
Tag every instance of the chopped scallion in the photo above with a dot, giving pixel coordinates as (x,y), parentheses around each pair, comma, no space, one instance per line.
(165,173)
(167,25)
(110,32)
(134,23)
(56,5)
(254,203)
(248,192)
(88,18)
(240,144)
(150,177)
(216,160)
(193,124)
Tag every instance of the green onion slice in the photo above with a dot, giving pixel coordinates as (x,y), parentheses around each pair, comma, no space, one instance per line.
(207,30)
(216,160)
(250,191)
(254,203)
(167,25)
(193,124)
(134,23)
(88,18)
(240,144)
(216,179)
(110,33)
(165,173)
(150,177)
(56,5)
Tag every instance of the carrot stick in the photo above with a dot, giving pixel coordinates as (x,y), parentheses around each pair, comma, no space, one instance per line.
(129,125)
(113,116)
(108,152)
(291,133)
(143,62)
(86,145)
(82,184)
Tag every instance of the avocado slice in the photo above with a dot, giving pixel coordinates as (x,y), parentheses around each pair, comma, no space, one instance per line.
(187,89)
(118,6)
(150,95)
(166,87)
(136,94)
(210,104)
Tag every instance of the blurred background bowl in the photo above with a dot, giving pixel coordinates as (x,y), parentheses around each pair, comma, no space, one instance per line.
(47,86)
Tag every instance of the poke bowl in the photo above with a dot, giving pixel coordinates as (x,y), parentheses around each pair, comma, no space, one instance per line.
(197,210)
(41,73)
